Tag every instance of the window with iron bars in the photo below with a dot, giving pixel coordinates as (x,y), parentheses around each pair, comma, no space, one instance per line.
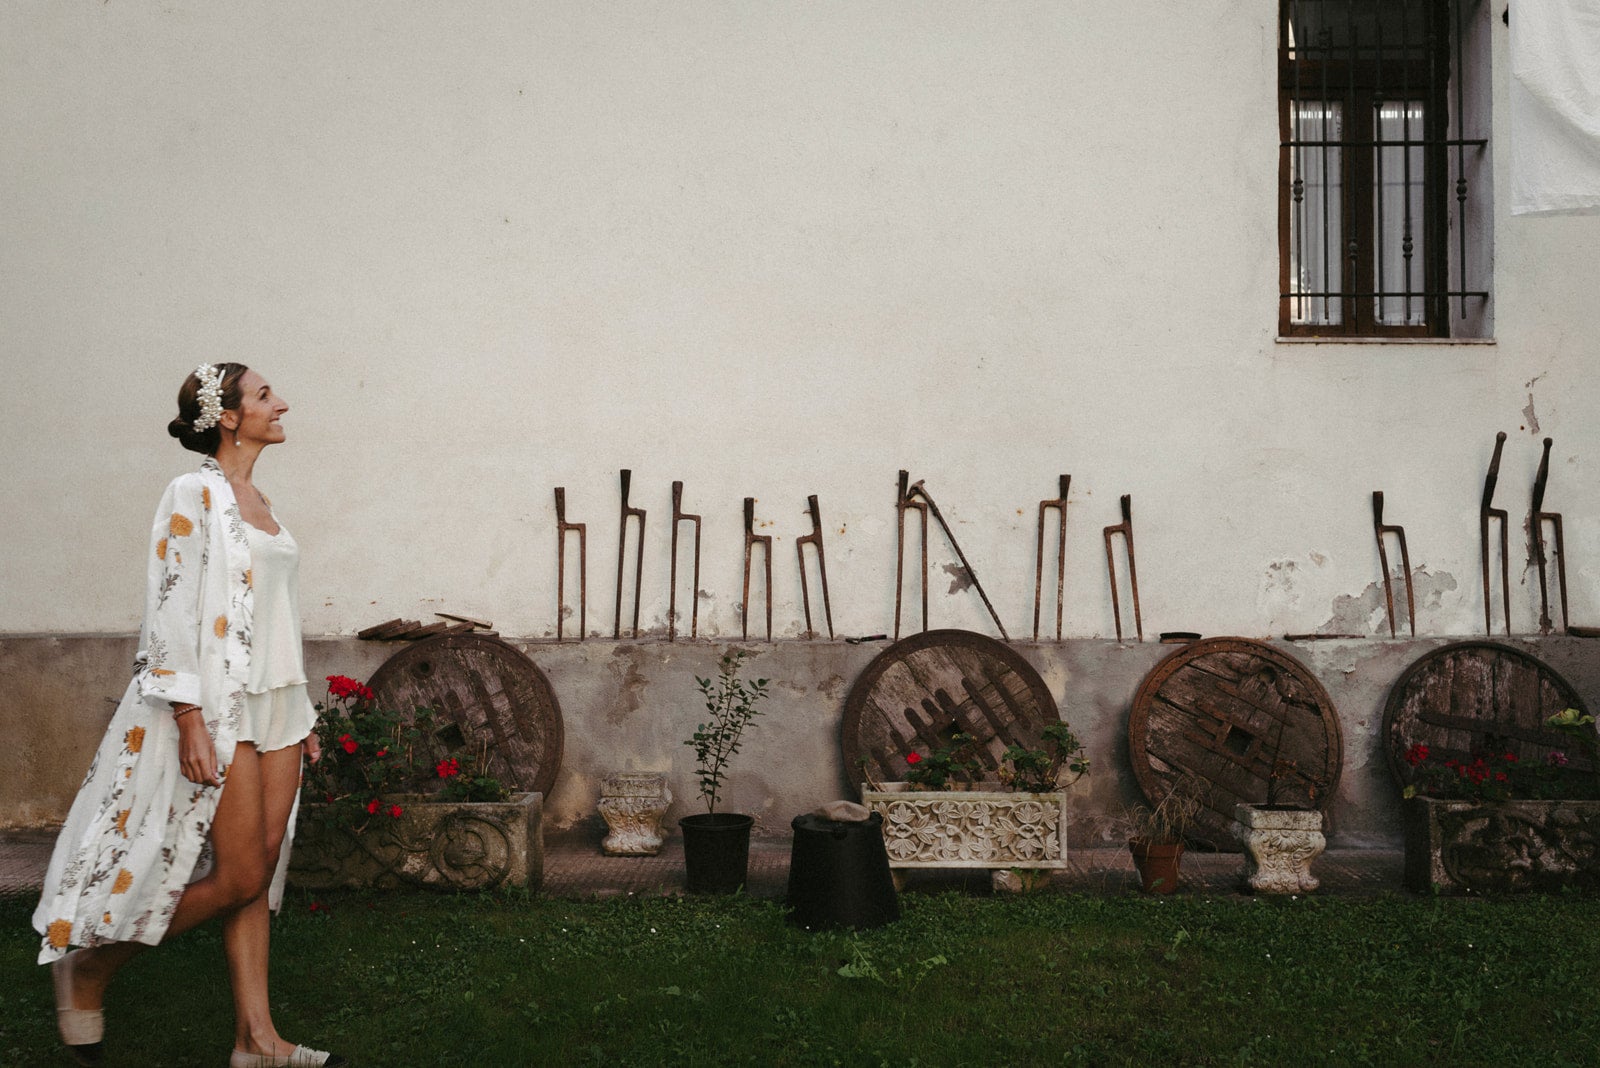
(1384,190)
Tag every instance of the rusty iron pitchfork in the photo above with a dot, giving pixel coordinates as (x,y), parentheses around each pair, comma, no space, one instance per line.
(1486,512)
(680,516)
(562,527)
(1537,518)
(1059,505)
(622,555)
(1379,529)
(800,543)
(903,503)
(752,539)
(1125,528)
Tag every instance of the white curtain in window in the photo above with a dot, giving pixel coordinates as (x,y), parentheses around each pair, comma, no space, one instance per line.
(1555,107)
(1397,214)
(1315,231)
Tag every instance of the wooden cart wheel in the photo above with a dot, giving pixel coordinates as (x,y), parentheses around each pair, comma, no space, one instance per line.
(1227,711)
(919,691)
(490,692)
(1454,699)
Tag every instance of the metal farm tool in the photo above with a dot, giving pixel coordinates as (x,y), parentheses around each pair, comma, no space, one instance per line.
(1059,505)
(1125,528)
(1379,529)
(562,527)
(1536,521)
(903,503)
(800,543)
(921,491)
(680,516)
(622,555)
(1486,512)
(751,539)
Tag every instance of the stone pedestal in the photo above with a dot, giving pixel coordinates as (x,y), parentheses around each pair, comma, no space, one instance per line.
(633,804)
(1279,846)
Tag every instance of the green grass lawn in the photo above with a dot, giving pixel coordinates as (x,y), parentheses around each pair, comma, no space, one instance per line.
(415,979)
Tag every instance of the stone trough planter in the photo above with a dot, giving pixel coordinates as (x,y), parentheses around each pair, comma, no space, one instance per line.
(970,828)
(1504,846)
(442,845)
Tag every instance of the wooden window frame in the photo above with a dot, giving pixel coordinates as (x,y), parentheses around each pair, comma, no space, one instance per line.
(1358,85)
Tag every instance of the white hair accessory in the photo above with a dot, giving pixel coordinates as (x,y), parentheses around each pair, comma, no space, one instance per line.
(209,395)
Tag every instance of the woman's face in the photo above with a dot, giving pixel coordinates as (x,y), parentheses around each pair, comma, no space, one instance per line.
(258,412)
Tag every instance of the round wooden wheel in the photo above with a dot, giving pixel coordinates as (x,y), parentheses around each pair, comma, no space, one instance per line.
(924,688)
(1458,698)
(483,690)
(1230,712)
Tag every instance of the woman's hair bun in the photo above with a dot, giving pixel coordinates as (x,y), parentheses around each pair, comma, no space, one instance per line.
(204,441)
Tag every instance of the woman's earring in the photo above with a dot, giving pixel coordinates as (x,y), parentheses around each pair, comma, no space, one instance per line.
(236,437)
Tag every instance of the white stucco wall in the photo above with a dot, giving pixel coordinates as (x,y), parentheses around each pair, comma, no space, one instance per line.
(490,247)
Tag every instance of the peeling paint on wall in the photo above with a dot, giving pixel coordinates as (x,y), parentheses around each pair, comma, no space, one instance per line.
(960,577)
(1530,419)
(630,685)
(1365,614)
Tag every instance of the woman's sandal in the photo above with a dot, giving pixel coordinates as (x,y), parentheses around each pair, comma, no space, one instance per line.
(81,1029)
(299,1057)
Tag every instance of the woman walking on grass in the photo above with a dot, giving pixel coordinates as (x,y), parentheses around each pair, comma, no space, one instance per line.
(187,811)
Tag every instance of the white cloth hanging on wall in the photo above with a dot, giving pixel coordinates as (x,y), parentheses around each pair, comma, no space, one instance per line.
(1555,107)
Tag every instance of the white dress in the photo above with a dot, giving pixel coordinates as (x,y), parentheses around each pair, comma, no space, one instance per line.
(277,711)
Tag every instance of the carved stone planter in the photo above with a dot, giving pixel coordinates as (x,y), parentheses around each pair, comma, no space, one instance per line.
(444,845)
(970,829)
(633,804)
(1279,846)
(1461,846)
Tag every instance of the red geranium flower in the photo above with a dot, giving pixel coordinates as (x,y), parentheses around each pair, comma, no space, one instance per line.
(394,812)
(343,686)
(372,807)
(383,752)
(913,758)
(349,744)
(1416,754)
(448,767)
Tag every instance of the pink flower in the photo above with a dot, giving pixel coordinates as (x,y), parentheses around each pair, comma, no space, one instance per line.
(1556,759)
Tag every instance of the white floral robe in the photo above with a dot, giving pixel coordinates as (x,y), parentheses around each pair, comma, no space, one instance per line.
(137,828)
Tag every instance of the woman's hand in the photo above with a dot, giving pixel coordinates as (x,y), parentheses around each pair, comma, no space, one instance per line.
(197,757)
(312,747)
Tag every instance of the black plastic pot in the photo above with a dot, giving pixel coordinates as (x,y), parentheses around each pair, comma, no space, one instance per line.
(716,851)
(839,874)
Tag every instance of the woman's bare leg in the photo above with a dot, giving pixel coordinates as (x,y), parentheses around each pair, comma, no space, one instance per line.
(245,933)
(238,875)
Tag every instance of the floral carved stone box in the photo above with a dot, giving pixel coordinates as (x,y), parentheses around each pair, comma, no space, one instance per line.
(442,845)
(1506,846)
(970,828)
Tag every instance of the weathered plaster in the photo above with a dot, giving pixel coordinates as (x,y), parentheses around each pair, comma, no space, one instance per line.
(630,706)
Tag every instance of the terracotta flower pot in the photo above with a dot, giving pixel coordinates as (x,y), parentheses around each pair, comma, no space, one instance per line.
(1157,863)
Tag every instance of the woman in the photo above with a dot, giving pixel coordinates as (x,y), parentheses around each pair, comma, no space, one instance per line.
(188,808)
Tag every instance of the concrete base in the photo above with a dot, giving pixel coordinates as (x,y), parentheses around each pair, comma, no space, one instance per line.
(630,705)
